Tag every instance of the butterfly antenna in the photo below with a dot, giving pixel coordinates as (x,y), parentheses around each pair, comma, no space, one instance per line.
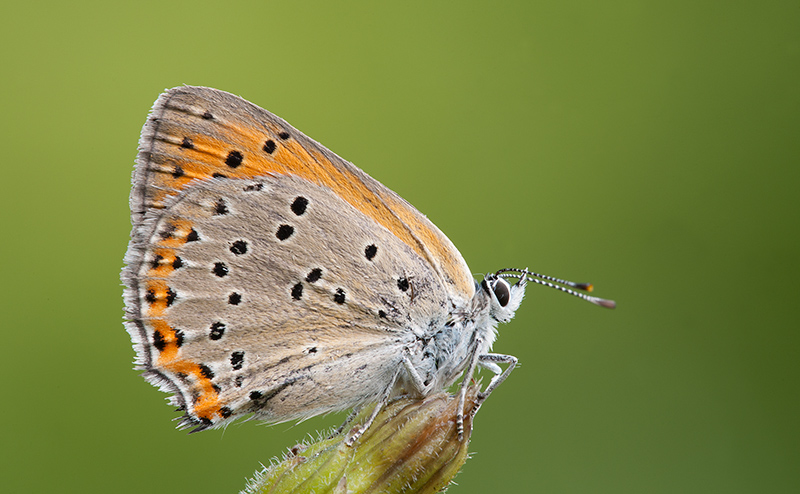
(550,281)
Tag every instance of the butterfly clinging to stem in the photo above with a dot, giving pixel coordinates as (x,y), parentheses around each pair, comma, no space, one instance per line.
(268,277)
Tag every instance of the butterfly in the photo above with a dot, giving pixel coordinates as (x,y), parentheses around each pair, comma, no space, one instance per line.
(267,277)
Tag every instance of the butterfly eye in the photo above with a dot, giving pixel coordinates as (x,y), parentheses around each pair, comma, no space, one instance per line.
(498,286)
(501,291)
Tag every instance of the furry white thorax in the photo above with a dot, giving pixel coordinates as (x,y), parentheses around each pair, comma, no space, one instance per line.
(443,353)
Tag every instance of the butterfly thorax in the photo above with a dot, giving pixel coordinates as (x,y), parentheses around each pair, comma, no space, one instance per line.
(442,354)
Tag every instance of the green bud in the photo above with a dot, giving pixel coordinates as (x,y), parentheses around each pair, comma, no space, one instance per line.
(411,447)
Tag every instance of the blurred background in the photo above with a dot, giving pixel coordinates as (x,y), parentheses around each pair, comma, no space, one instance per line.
(648,147)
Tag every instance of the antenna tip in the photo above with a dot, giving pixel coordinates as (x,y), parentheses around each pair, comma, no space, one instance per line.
(608,304)
(584,286)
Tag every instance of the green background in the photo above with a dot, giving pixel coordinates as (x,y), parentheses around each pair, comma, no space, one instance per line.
(649,147)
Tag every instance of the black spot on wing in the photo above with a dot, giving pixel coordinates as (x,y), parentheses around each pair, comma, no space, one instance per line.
(220,269)
(234,159)
(314,275)
(299,205)
(297,291)
(237,360)
(239,247)
(284,232)
(217,330)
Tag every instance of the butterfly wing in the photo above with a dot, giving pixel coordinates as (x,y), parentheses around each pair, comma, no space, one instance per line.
(257,282)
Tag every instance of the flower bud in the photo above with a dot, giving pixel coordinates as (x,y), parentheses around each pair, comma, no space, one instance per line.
(411,447)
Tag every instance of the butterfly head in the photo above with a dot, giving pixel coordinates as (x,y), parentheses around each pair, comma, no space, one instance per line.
(504,297)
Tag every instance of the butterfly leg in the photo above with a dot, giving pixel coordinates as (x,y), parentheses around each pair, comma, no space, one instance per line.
(416,380)
(384,398)
(350,417)
(490,361)
(462,392)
